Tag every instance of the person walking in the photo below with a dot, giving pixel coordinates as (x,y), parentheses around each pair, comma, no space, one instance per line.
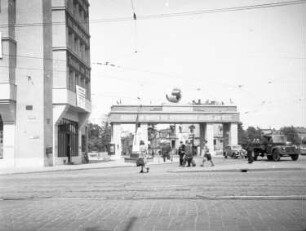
(68,153)
(250,152)
(189,153)
(166,149)
(206,155)
(172,153)
(143,152)
(181,153)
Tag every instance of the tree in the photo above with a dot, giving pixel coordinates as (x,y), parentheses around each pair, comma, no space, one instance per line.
(106,135)
(253,133)
(242,135)
(94,137)
(291,134)
(99,137)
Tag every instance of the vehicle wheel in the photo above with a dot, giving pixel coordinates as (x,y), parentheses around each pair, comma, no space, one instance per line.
(269,157)
(275,155)
(294,157)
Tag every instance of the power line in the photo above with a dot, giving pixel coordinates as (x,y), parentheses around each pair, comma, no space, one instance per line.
(169,15)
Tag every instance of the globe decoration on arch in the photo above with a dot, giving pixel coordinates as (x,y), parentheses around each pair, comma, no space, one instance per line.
(174,96)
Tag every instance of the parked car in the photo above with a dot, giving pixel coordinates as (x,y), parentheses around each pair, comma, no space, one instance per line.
(234,151)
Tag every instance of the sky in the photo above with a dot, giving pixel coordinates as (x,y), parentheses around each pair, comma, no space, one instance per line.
(220,50)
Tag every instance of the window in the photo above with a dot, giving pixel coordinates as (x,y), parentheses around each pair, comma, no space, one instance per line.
(77,79)
(71,81)
(76,45)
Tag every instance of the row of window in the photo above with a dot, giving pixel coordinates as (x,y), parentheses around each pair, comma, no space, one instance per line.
(79,13)
(77,79)
(78,47)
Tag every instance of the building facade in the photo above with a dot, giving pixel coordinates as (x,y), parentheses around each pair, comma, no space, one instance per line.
(44,82)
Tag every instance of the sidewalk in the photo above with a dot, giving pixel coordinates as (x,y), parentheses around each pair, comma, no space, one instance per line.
(221,165)
(94,164)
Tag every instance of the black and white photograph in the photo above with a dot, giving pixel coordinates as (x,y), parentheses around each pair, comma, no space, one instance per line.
(159,115)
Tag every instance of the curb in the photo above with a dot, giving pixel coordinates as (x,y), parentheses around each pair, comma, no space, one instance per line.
(244,170)
(130,165)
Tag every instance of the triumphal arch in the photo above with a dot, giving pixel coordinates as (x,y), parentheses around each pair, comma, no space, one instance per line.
(204,115)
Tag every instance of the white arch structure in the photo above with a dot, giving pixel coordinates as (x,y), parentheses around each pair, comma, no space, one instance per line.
(204,115)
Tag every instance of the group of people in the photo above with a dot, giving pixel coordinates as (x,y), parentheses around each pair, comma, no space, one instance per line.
(185,153)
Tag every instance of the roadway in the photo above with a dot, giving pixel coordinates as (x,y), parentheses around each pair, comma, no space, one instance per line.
(167,198)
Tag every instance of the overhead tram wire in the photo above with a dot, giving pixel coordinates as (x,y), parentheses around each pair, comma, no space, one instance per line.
(135,27)
(271,81)
(168,15)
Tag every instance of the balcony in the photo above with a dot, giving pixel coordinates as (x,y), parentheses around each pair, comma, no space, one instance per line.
(7,92)
(65,96)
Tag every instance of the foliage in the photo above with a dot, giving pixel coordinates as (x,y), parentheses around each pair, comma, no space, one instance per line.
(291,134)
(242,135)
(252,133)
(98,136)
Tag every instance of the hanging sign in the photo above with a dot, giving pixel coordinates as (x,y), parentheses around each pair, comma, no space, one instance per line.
(80,96)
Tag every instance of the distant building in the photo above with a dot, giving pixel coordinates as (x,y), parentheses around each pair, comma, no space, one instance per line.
(44,82)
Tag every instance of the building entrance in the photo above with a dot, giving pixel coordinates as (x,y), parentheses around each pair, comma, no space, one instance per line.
(68,139)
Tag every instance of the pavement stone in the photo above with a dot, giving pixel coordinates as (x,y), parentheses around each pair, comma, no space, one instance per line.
(142,215)
(109,202)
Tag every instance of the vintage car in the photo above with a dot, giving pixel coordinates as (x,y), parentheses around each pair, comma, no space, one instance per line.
(274,147)
(234,151)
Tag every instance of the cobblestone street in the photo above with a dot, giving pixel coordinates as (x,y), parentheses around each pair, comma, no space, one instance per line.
(123,199)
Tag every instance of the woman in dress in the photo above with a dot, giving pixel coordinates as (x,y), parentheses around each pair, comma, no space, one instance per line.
(143,152)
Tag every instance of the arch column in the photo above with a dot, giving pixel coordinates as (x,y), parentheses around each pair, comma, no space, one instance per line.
(234,133)
(207,133)
(116,140)
(141,134)
(230,134)
(144,133)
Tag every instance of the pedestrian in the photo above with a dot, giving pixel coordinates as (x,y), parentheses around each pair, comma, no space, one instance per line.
(189,154)
(143,152)
(69,153)
(172,153)
(166,149)
(250,152)
(206,155)
(181,152)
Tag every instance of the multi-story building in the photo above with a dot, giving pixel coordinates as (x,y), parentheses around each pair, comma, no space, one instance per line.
(44,81)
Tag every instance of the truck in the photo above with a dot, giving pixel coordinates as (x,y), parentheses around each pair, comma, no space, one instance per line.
(274,147)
